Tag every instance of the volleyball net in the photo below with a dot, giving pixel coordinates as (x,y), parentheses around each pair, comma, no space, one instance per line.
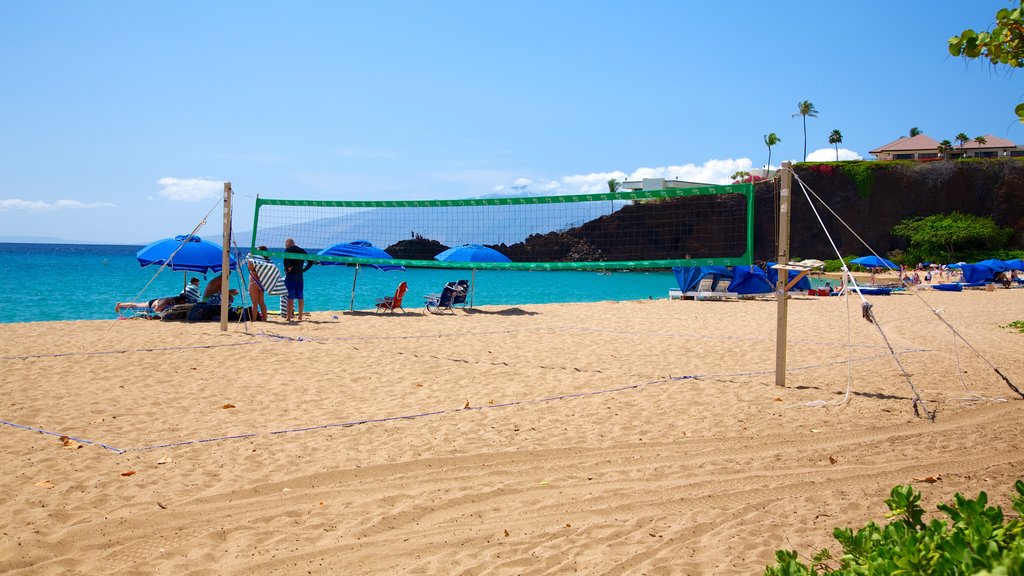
(696,226)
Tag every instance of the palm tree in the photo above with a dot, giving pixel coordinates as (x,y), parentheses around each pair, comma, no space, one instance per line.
(805,109)
(836,137)
(980,140)
(739,175)
(770,140)
(962,139)
(915,131)
(945,147)
(613,185)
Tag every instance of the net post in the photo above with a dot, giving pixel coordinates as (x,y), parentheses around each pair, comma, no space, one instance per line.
(225,261)
(783,277)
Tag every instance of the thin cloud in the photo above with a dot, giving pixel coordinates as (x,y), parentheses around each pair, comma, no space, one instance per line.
(19,205)
(829,155)
(189,189)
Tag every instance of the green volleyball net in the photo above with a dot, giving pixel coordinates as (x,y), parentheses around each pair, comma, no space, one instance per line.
(696,226)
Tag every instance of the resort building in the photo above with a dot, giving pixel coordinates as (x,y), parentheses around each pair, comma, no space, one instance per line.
(658,184)
(924,147)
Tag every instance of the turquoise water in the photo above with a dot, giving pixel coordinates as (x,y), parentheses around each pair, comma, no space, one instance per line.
(44,282)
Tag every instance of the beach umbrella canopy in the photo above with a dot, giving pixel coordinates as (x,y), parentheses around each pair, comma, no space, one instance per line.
(874,262)
(472,253)
(358,249)
(1017,264)
(184,253)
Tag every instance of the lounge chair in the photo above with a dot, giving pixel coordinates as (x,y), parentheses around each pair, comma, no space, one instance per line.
(391,302)
(438,303)
(711,288)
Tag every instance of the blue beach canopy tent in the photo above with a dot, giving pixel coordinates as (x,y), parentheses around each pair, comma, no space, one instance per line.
(750,280)
(358,249)
(873,261)
(471,253)
(689,277)
(773,277)
(1017,264)
(979,273)
(995,264)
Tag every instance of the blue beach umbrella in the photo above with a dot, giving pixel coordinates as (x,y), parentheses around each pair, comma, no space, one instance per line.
(358,249)
(472,253)
(874,262)
(1017,264)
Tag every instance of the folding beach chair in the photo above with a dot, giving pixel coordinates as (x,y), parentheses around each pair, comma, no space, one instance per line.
(459,299)
(438,303)
(390,303)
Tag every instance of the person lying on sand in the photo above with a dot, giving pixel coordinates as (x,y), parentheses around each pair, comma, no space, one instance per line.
(157,304)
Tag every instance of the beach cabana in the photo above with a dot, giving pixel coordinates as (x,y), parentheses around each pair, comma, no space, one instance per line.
(979,273)
(689,277)
(748,280)
(773,277)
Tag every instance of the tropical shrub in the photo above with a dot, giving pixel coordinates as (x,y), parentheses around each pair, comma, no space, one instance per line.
(939,237)
(975,541)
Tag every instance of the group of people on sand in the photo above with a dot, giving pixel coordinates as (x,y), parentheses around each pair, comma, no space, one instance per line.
(190,295)
(263,275)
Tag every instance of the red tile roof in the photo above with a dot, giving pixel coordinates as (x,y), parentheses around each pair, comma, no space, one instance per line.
(990,142)
(907,143)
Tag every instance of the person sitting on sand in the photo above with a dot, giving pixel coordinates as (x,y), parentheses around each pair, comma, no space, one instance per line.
(213,287)
(215,299)
(191,293)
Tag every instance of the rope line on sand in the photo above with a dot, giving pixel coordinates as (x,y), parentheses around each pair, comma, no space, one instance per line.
(59,435)
(378,420)
(165,349)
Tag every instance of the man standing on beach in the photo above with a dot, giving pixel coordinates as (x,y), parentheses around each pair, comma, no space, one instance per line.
(293,270)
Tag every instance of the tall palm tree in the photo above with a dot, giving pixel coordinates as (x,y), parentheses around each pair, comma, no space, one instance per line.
(980,140)
(962,139)
(805,109)
(770,140)
(915,131)
(836,138)
(613,185)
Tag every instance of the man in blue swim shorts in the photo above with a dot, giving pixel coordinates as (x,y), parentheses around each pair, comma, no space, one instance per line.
(293,269)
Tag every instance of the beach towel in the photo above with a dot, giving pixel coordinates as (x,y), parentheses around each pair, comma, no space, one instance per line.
(267,273)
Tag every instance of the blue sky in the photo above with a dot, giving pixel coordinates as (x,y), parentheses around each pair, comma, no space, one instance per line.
(121,120)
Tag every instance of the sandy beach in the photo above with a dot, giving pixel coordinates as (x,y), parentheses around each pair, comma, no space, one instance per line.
(640,437)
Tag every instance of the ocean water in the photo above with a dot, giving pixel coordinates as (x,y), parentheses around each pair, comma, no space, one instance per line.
(47,282)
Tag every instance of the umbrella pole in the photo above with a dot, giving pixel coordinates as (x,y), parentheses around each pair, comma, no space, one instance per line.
(472,287)
(352,300)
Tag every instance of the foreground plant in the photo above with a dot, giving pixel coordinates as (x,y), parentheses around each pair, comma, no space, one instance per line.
(976,541)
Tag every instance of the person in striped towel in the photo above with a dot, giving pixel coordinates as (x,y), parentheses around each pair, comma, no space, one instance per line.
(263,275)
(191,293)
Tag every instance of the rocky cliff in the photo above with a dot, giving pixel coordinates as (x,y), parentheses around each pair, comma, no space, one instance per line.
(872,197)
